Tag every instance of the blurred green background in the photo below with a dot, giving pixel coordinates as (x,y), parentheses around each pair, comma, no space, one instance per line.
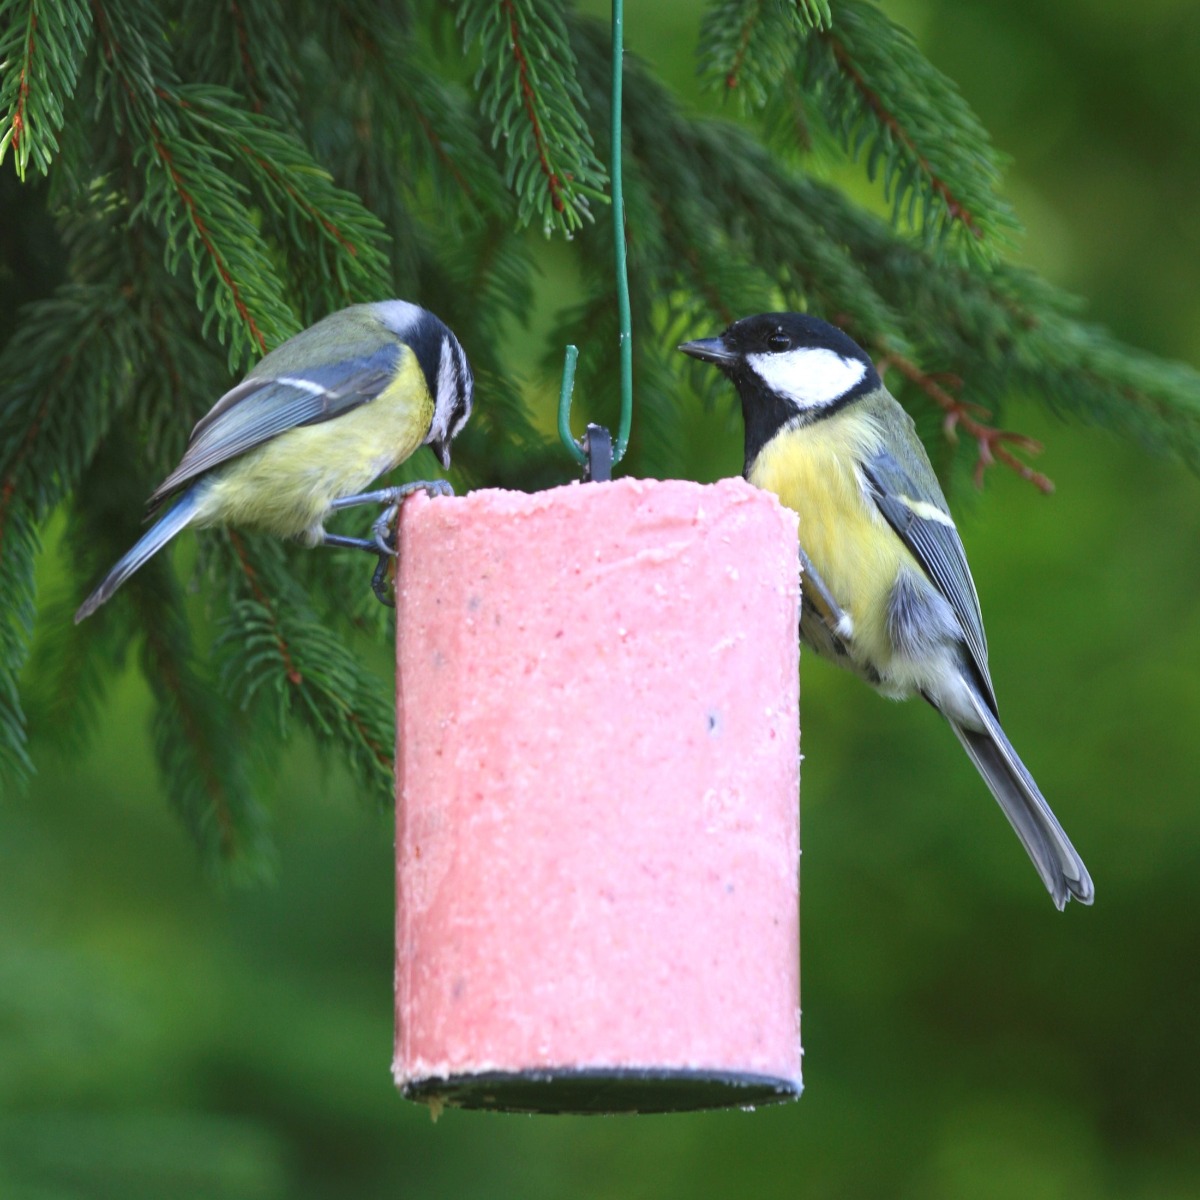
(162,1038)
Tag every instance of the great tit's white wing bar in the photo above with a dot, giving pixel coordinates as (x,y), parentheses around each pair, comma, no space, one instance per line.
(259,409)
(928,531)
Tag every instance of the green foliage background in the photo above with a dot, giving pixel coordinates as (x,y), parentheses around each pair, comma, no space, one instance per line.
(159,1037)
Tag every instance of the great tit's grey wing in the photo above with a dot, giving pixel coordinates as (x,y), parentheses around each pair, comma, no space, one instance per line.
(927,529)
(258,409)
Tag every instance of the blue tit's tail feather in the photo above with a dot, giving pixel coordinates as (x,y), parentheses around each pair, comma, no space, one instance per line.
(1056,860)
(173,521)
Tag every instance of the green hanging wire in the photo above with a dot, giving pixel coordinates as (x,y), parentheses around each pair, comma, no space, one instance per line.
(618,208)
(564,406)
(624,318)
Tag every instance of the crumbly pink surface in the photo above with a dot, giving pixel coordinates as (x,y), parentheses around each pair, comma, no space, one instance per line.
(598,774)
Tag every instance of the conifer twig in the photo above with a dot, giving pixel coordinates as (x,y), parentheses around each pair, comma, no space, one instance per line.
(955,208)
(991,441)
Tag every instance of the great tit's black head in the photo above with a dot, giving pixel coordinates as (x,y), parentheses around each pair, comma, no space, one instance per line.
(789,369)
(806,362)
(444,364)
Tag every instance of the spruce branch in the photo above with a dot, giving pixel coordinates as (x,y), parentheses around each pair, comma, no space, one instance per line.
(70,668)
(273,648)
(452,149)
(528,92)
(1007,332)
(748,47)
(327,227)
(62,376)
(881,96)
(243,45)
(42,47)
(198,746)
(189,194)
(732,209)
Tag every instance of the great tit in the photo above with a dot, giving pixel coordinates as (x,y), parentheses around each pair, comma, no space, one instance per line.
(313,424)
(886,588)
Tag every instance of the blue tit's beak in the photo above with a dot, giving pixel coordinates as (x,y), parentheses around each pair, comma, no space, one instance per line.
(711,350)
(441,447)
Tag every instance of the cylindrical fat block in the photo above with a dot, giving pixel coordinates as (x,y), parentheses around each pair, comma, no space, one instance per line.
(597,820)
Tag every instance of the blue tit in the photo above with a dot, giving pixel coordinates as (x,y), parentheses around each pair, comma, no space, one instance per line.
(313,424)
(886,588)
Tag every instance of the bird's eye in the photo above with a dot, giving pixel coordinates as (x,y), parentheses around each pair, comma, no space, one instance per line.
(779,342)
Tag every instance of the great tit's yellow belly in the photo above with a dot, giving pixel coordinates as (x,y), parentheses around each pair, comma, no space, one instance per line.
(286,485)
(847,540)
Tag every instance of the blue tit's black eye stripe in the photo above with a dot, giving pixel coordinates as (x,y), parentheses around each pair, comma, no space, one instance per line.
(425,341)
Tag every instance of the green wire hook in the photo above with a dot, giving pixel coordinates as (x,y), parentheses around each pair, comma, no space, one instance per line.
(624,318)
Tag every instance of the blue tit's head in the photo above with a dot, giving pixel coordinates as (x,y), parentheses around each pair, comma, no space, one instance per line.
(789,369)
(443,363)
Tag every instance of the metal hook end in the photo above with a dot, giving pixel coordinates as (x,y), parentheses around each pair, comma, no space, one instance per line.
(598,446)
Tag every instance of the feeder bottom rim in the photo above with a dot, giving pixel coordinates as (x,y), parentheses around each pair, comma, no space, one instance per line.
(594,1089)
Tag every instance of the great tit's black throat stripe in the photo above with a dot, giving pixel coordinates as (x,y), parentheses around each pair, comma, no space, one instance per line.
(765,412)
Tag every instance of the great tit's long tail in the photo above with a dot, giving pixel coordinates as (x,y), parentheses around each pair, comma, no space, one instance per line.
(1056,860)
(173,521)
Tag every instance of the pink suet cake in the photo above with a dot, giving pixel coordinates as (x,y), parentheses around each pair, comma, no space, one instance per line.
(597,830)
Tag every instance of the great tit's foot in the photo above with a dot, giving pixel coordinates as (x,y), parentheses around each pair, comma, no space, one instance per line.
(817,595)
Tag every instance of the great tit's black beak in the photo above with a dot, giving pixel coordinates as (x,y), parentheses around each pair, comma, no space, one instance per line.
(711,350)
(441,447)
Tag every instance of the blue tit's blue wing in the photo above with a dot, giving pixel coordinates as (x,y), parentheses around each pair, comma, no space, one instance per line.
(922,523)
(262,408)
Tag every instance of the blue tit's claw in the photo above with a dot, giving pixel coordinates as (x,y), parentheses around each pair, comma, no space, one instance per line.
(383,532)
(382,584)
(381,547)
(437,487)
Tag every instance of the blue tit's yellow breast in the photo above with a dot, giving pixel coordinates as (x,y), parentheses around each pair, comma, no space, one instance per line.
(813,470)
(286,485)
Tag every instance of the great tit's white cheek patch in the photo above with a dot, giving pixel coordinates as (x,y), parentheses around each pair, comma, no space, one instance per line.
(809,376)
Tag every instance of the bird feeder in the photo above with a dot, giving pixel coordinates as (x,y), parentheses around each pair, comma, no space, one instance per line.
(597,775)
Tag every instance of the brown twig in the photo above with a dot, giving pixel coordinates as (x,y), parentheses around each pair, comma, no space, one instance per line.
(739,58)
(993,443)
(18,121)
